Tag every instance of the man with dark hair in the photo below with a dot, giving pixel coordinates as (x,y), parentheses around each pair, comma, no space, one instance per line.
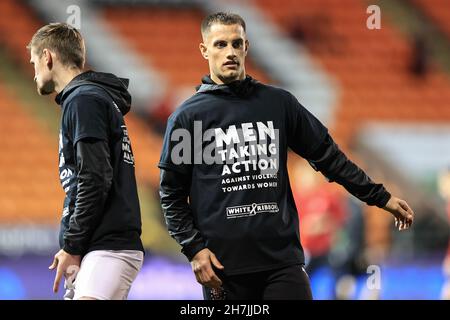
(101,222)
(222,18)
(225,192)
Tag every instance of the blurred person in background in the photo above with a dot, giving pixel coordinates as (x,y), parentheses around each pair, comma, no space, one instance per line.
(239,227)
(100,230)
(419,64)
(322,214)
(331,229)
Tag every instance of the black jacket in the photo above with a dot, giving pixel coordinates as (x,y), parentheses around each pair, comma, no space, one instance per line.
(250,225)
(101,208)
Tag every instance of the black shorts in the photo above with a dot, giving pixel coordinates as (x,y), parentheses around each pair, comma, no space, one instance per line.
(287,283)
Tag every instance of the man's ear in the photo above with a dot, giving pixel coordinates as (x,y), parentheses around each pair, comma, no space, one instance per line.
(48,57)
(203,50)
(247,44)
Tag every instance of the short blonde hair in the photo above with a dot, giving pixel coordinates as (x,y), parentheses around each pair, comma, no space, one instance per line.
(62,38)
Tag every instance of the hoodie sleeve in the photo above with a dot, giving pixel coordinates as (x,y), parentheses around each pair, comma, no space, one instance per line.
(86,120)
(175,181)
(175,154)
(309,138)
(305,131)
(174,191)
(335,165)
(94,178)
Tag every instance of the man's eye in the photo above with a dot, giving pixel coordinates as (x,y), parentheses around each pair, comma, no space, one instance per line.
(221,44)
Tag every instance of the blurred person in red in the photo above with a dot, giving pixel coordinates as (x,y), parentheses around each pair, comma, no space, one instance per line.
(322,213)
(331,229)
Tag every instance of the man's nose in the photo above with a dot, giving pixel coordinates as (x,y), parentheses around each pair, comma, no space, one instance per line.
(35,78)
(231,53)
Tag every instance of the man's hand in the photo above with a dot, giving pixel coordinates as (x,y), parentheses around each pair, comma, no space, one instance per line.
(403,214)
(62,262)
(201,265)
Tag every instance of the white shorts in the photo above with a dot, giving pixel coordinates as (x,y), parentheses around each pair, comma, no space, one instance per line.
(106,275)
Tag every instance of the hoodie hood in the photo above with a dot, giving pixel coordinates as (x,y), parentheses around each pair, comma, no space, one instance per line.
(240,88)
(116,87)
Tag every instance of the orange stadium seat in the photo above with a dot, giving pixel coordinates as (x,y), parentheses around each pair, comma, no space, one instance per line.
(29,193)
(170,47)
(29,188)
(372,66)
(438,11)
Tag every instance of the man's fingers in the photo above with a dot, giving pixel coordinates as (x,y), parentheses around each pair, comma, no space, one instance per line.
(407,218)
(54,264)
(59,273)
(404,205)
(215,282)
(199,278)
(405,224)
(216,262)
(204,272)
(409,223)
(202,275)
(408,212)
(209,278)
(403,214)
(198,274)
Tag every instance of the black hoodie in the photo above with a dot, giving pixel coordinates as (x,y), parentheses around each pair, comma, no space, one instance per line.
(101,208)
(244,213)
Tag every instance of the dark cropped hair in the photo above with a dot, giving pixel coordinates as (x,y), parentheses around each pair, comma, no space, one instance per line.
(223,18)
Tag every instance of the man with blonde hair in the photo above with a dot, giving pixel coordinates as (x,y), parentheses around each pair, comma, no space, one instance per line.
(101,223)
